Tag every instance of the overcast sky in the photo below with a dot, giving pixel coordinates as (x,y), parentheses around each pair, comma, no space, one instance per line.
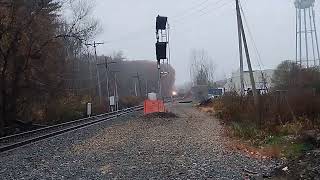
(129,25)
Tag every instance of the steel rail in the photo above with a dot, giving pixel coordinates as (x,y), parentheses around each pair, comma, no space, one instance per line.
(63,128)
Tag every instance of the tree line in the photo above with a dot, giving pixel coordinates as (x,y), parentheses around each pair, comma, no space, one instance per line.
(47,74)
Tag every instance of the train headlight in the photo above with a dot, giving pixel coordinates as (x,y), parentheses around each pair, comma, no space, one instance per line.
(174,93)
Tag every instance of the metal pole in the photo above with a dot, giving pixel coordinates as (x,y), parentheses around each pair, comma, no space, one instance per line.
(169,49)
(139,83)
(117,95)
(254,89)
(108,93)
(312,38)
(159,80)
(241,56)
(90,72)
(106,63)
(146,88)
(315,32)
(135,89)
(300,37)
(297,35)
(96,59)
(160,84)
(98,74)
(306,36)
(114,92)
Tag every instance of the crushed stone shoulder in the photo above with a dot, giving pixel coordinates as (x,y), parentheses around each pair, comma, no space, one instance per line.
(189,146)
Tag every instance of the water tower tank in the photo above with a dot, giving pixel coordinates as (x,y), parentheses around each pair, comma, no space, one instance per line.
(304,4)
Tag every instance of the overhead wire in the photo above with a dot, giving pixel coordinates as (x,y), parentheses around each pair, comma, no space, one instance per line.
(138,33)
(259,61)
(218,7)
(199,10)
(190,9)
(182,13)
(203,11)
(178,18)
(211,10)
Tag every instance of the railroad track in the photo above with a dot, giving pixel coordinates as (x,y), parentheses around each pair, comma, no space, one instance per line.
(18,140)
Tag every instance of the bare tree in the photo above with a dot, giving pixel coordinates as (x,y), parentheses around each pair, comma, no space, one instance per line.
(202,68)
(30,51)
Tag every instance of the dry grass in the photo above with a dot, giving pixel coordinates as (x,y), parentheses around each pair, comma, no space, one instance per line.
(272,127)
(290,110)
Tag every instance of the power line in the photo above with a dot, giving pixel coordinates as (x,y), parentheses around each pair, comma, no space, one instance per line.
(211,10)
(190,9)
(255,47)
(137,34)
(222,5)
(202,11)
(260,63)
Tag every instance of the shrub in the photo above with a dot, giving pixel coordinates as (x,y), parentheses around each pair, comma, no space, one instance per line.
(130,101)
(246,131)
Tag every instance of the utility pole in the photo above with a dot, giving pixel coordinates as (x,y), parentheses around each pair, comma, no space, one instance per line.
(116,91)
(300,38)
(116,94)
(240,23)
(159,80)
(139,82)
(108,93)
(241,57)
(306,36)
(106,63)
(146,88)
(90,72)
(98,75)
(135,89)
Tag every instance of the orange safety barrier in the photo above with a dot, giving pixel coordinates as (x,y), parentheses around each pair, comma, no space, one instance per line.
(153,106)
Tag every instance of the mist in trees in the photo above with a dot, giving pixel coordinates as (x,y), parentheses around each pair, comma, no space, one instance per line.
(128,82)
(202,68)
(36,43)
(48,73)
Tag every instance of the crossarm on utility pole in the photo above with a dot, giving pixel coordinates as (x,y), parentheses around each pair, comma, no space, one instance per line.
(98,74)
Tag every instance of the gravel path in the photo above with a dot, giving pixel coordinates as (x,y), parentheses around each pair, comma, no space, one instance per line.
(189,147)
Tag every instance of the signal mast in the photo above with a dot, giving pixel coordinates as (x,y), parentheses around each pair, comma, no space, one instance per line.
(162,49)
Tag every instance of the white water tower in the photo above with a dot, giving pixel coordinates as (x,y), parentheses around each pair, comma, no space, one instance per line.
(307,45)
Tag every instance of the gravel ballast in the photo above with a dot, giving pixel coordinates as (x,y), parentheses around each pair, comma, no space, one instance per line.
(191,146)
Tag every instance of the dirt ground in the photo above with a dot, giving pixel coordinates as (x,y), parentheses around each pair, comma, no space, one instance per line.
(191,146)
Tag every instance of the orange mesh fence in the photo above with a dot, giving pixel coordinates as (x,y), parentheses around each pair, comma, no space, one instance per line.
(153,106)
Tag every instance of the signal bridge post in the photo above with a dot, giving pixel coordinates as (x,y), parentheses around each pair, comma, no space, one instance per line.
(162,49)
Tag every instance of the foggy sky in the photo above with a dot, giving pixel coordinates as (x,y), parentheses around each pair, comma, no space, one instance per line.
(129,25)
